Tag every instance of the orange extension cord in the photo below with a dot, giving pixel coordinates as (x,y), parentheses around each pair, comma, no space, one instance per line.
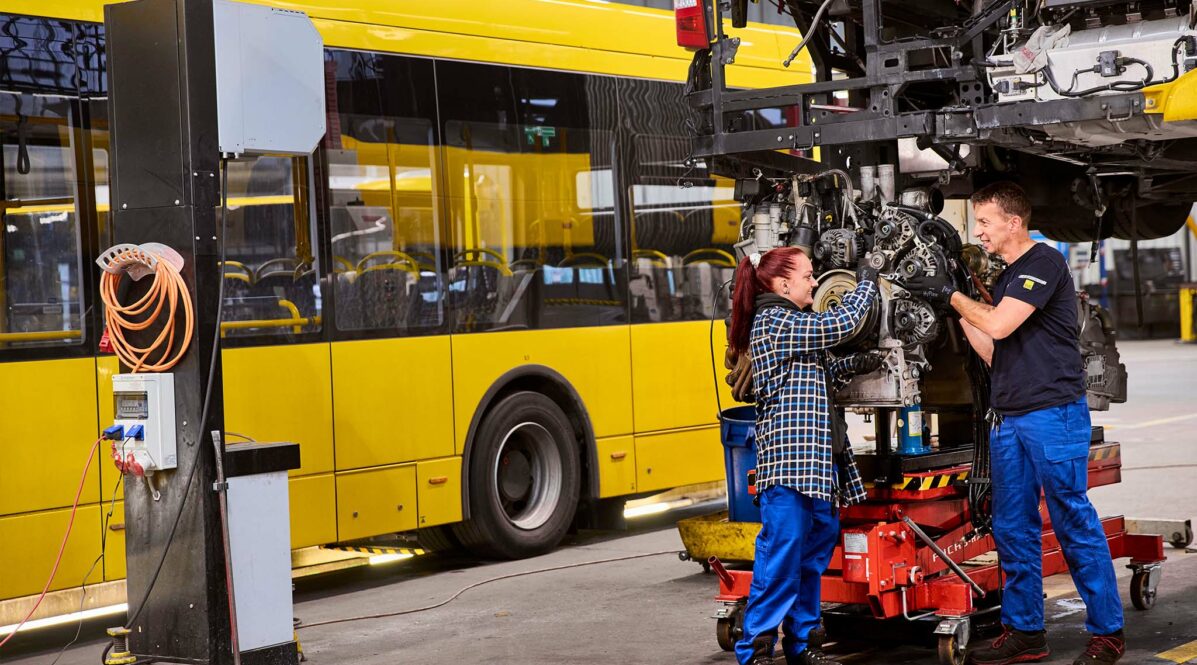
(168,288)
(61,548)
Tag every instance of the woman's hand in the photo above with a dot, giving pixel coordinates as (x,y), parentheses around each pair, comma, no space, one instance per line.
(868,361)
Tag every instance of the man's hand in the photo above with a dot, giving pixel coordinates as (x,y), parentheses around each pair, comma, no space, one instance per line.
(937,289)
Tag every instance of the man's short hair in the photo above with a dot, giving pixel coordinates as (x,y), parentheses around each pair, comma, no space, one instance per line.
(1008,196)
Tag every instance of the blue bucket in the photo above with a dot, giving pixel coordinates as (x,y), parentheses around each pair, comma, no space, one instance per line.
(737,429)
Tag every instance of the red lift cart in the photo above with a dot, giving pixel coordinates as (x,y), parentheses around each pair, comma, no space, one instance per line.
(910,551)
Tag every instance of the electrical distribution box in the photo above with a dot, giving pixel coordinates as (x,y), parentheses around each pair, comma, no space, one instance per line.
(148,401)
(269,80)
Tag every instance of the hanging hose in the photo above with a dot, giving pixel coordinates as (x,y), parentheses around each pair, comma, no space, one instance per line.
(814,27)
(167,289)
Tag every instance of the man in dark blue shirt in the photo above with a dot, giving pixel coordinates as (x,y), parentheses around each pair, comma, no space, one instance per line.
(1041,431)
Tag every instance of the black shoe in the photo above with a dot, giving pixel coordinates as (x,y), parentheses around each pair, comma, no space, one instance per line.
(1102,649)
(1012,646)
(816,637)
(811,656)
(762,651)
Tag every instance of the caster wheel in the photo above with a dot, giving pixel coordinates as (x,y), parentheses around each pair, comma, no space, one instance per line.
(1142,591)
(725,634)
(729,629)
(706,567)
(1182,539)
(950,651)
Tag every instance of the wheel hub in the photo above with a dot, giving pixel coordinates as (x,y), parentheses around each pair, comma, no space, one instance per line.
(515,475)
(527,475)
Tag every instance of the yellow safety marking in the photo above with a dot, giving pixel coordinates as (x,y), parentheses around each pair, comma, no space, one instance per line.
(1181,654)
(413,551)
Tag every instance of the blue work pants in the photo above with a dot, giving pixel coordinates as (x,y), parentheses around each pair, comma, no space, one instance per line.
(1049,449)
(798,535)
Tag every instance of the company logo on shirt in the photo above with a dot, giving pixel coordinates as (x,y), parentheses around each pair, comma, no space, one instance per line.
(1029,282)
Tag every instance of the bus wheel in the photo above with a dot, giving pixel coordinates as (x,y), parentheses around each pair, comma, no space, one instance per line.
(524,479)
(439,539)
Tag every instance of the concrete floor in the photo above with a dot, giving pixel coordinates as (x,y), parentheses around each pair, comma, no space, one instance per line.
(656,609)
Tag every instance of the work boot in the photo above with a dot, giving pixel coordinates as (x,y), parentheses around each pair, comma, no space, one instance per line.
(1102,649)
(816,637)
(811,656)
(1012,646)
(762,651)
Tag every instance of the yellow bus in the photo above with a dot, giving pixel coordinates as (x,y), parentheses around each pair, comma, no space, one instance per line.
(480,307)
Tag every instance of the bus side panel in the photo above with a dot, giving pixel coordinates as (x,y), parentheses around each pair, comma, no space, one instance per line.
(49,413)
(114,544)
(671,375)
(673,459)
(439,491)
(394,401)
(31,543)
(313,510)
(282,393)
(376,501)
(617,466)
(596,362)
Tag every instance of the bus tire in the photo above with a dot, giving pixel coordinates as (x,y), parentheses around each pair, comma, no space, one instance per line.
(439,539)
(525,477)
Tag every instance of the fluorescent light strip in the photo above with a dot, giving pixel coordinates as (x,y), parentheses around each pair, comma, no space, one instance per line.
(648,509)
(388,558)
(66,618)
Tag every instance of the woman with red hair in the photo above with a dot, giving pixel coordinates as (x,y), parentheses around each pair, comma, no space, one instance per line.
(803,472)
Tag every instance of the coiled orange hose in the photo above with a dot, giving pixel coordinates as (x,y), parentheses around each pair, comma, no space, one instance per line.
(167,289)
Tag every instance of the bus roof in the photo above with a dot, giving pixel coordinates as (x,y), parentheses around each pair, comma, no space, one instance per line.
(595,36)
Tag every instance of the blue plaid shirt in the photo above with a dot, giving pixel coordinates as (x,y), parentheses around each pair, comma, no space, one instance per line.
(793,434)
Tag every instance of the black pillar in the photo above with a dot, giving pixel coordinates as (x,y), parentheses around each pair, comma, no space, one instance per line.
(164,161)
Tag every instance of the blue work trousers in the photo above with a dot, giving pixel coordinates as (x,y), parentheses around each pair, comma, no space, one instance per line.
(1048,449)
(798,535)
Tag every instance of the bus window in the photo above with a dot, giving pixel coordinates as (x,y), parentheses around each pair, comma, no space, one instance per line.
(40,260)
(528,164)
(386,240)
(684,220)
(270,271)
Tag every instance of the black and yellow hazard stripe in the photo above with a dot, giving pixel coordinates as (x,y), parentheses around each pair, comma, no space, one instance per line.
(930,482)
(412,551)
(940,480)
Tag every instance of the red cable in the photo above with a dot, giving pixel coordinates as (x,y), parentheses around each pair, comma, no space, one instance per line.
(61,548)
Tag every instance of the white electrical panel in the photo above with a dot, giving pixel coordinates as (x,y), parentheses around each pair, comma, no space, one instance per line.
(269,80)
(146,401)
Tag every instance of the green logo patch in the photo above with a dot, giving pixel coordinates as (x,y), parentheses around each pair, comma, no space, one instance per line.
(1028,284)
